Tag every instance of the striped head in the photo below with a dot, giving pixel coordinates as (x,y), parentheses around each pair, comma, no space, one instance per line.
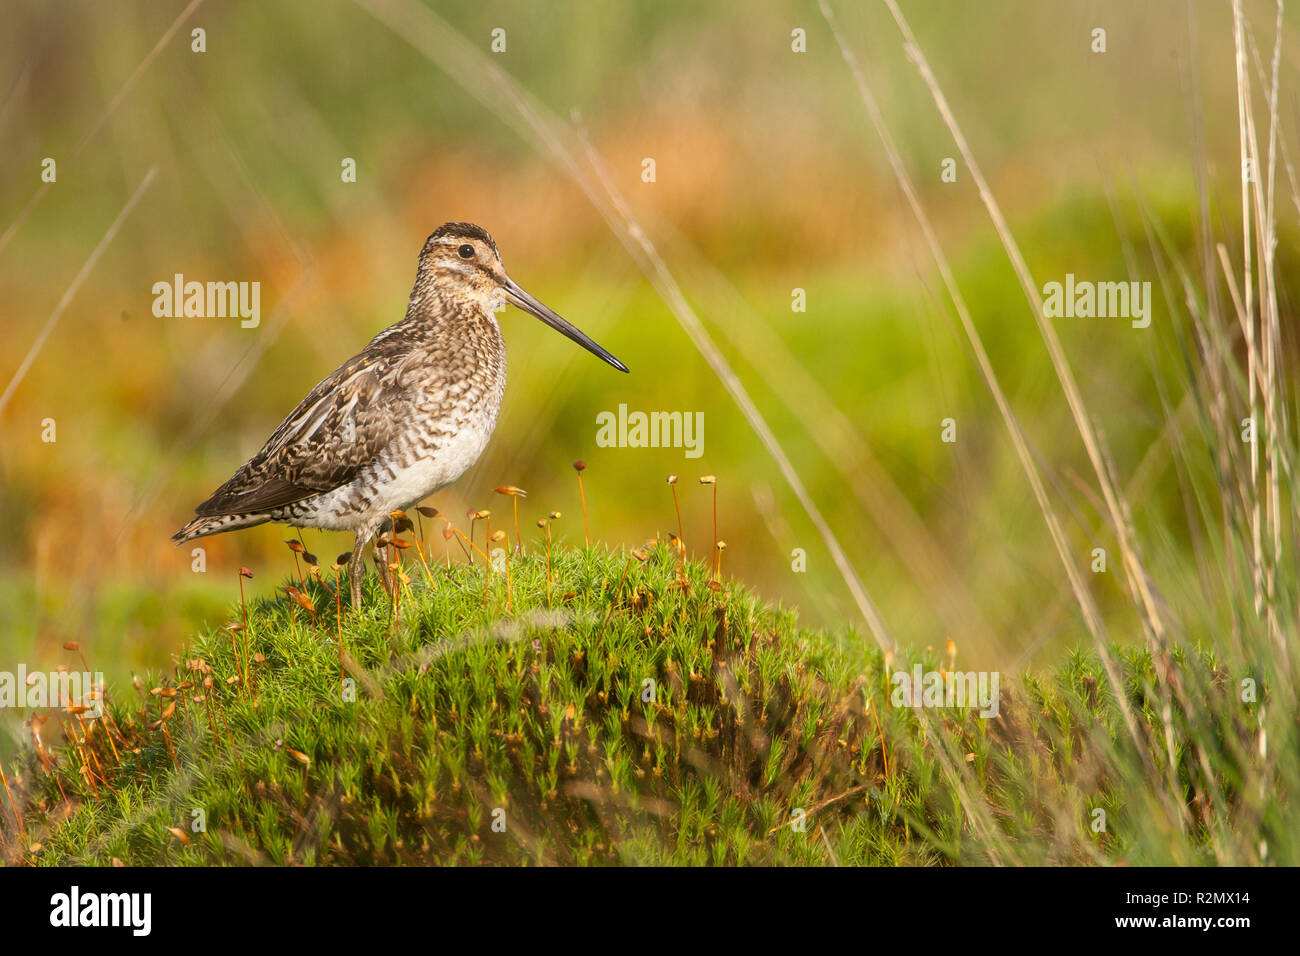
(462,256)
(460,261)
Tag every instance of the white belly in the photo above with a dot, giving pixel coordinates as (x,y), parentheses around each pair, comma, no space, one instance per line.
(387,485)
(427,474)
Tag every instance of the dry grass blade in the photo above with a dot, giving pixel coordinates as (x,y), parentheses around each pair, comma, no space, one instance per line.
(1115,505)
(73,287)
(836,434)
(86,137)
(1083,597)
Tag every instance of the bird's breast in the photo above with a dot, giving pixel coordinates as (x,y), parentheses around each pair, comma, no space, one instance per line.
(450,429)
(414,472)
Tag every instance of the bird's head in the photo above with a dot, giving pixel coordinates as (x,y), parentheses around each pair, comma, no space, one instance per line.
(461,258)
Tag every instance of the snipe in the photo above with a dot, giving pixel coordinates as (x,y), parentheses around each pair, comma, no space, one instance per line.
(403,418)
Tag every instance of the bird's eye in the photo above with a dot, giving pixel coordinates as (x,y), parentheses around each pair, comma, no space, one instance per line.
(466,251)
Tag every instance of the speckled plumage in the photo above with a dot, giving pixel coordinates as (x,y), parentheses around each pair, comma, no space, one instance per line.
(402,419)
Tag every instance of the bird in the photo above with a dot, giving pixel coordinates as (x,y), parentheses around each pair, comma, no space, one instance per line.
(400,420)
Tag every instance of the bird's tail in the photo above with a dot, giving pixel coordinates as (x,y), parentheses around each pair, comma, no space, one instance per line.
(215,524)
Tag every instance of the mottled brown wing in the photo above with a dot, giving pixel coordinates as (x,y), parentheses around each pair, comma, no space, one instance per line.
(341,426)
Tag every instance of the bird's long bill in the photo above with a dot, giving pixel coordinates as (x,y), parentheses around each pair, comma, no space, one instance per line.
(518,297)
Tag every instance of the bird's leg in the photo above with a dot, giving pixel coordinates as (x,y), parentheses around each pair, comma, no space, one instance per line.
(357,565)
(384,556)
(381,562)
(356,568)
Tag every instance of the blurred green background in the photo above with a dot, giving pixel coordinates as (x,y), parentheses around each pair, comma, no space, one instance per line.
(769,178)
